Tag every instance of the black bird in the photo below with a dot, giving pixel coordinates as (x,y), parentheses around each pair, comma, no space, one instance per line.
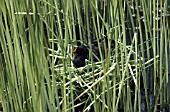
(81,54)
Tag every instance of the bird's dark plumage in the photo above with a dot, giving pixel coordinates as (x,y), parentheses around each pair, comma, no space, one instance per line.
(81,54)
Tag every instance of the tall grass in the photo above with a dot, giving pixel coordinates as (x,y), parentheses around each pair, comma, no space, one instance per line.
(36,43)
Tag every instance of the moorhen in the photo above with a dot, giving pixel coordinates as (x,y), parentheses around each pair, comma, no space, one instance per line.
(81,54)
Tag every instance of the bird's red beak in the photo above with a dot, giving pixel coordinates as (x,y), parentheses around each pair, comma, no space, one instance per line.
(74,52)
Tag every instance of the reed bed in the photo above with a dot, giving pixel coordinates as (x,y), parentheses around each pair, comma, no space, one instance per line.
(36,43)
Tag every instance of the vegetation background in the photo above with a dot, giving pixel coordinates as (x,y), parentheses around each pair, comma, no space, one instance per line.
(37,38)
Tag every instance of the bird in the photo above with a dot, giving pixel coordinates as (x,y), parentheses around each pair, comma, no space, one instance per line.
(82,53)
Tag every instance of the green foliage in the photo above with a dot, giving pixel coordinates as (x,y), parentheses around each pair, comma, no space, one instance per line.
(36,43)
